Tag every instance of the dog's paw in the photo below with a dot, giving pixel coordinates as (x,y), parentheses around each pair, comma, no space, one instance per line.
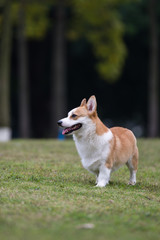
(131,183)
(101,184)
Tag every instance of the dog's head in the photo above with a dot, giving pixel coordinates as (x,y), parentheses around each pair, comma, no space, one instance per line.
(79,118)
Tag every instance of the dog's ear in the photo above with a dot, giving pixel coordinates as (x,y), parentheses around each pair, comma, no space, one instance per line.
(83,103)
(92,104)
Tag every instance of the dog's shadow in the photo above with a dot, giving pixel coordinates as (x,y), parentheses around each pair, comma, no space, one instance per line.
(124,186)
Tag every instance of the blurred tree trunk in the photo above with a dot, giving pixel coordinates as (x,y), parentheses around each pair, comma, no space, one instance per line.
(23,101)
(153,111)
(5,54)
(58,71)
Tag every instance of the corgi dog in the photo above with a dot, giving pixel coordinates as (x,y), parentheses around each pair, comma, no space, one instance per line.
(102,150)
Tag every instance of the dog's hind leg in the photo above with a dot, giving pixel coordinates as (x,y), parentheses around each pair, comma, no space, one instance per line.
(132,164)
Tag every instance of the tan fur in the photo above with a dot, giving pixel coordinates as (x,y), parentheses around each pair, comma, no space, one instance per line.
(79,112)
(82,111)
(100,127)
(123,145)
(83,103)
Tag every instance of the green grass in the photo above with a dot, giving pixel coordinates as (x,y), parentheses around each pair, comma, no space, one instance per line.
(46,194)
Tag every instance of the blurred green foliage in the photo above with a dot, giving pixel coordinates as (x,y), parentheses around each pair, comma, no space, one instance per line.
(100,23)
(37,21)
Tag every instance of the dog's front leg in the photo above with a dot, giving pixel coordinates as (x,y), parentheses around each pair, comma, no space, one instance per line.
(103,177)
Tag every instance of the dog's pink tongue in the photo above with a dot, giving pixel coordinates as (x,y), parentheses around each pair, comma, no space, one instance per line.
(65,131)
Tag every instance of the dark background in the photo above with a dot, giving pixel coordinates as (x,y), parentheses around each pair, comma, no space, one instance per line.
(123,102)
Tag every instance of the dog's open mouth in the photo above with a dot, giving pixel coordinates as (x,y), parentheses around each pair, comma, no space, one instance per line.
(71,129)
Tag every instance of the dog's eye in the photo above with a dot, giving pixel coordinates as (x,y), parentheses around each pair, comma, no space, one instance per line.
(74,115)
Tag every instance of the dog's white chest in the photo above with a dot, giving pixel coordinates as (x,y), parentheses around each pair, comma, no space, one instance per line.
(91,165)
(94,151)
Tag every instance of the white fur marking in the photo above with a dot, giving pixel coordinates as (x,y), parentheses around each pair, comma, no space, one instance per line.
(93,154)
(132,180)
(104,176)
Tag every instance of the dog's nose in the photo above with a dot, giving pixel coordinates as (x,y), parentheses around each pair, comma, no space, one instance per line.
(59,123)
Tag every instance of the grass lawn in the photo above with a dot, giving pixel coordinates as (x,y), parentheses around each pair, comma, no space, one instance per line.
(46,194)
